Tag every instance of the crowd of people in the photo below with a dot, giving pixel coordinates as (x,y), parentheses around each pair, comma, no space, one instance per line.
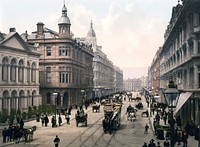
(13,128)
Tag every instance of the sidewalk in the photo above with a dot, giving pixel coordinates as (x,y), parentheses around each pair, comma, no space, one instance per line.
(33,122)
(191,141)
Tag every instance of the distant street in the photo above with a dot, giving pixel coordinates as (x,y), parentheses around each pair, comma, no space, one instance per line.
(129,134)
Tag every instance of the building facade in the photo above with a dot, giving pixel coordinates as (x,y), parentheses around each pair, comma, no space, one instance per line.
(66,70)
(19,76)
(107,77)
(155,74)
(132,85)
(180,58)
(118,82)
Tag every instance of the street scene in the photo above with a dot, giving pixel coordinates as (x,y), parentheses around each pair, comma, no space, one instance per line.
(131,133)
(100,73)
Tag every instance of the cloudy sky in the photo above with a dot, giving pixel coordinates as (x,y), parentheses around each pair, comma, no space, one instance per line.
(129,31)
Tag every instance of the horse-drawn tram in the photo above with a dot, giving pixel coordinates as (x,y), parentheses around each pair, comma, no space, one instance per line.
(112,117)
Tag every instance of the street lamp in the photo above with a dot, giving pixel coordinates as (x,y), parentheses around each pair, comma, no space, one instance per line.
(55,94)
(171,95)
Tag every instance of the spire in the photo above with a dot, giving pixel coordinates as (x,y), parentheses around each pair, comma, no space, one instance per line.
(91,32)
(64,18)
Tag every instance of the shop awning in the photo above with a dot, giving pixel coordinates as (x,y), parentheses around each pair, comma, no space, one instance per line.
(182,100)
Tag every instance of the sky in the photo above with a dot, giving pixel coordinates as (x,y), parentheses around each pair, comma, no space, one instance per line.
(129,31)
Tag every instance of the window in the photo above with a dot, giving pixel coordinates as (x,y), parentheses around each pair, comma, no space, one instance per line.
(64,74)
(5,69)
(33,73)
(21,71)
(13,70)
(64,51)
(48,50)
(48,72)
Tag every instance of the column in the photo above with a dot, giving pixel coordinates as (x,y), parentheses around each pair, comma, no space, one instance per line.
(8,73)
(17,74)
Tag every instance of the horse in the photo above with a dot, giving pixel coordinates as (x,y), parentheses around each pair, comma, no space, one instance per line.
(29,133)
(131,116)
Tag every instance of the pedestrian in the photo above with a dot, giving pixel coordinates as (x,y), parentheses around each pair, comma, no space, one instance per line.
(21,124)
(184,139)
(166,143)
(67,118)
(53,121)
(146,129)
(4,134)
(42,119)
(59,120)
(151,143)
(46,120)
(145,145)
(56,141)
(165,119)
(158,144)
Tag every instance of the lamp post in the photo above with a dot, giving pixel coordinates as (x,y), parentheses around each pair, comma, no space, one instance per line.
(55,94)
(171,95)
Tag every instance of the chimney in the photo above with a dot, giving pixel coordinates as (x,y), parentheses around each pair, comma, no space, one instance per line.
(12,30)
(40,28)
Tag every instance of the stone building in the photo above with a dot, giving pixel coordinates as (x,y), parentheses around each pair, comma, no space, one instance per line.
(155,74)
(118,82)
(180,58)
(107,77)
(65,64)
(19,76)
(132,84)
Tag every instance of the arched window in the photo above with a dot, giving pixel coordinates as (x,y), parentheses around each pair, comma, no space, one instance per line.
(13,70)
(28,72)
(21,71)
(5,69)
(20,100)
(48,98)
(33,72)
(33,97)
(5,100)
(13,100)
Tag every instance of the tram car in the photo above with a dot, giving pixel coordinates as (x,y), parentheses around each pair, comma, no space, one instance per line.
(112,117)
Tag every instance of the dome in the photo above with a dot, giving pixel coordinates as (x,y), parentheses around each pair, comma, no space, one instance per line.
(64,19)
(91,32)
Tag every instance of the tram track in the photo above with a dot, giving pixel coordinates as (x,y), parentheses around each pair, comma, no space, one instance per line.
(79,137)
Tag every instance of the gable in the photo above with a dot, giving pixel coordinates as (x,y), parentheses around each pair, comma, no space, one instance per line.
(15,41)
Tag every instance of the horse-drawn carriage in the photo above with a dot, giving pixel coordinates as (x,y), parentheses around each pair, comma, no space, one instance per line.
(81,117)
(139,105)
(131,113)
(95,107)
(21,134)
(112,117)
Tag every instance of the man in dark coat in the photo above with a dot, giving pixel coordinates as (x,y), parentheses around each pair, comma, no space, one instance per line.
(4,134)
(56,141)
(46,120)
(21,124)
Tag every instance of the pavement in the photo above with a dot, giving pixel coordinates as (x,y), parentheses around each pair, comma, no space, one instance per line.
(191,141)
